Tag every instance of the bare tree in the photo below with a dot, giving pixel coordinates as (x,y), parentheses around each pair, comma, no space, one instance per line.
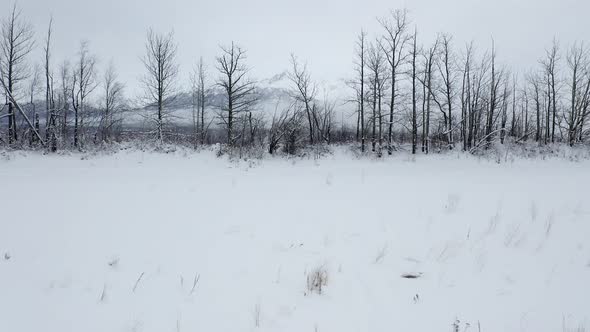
(162,73)
(202,87)
(534,82)
(240,91)
(33,89)
(84,82)
(429,60)
(504,110)
(199,99)
(288,128)
(525,113)
(514,120)
(466,97)
(479,101)
(395,40)
(112,102)
(278,127)
(304,92)
(414,118)
(324,116)
(376,66)
(15,44)
(64,101)
(496,80)
(549,64)
(359,85)
(578,62)
(49,102)
(446,68)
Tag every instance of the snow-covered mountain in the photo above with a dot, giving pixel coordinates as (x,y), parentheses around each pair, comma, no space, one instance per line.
(275,95)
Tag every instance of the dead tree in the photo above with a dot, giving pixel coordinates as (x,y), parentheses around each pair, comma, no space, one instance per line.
(496,80)
(429,60)
(278,128)
(376,66)
(33,90)
(578,63)
(414,117)
(514,120)
(477,108)
(239,91)
(525,113)
(84,82)
(162,73)
(325,117)
(304,92)
(446,65)
(395,40)
(534,83)
(64,98)
(549,65)
(113,95)
(49,101)
(504,111)
(15,44)
(199,95)
(466,97)
(359,85)
(194,91)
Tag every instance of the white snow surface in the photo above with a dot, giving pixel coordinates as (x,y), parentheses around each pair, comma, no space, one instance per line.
(497,247)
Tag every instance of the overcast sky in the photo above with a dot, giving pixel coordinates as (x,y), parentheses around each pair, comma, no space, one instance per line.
(320,31)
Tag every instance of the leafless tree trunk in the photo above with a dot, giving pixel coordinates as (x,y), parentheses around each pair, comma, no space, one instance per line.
(84,83)
(578,62)
(33,89)
(15,44)
(65,94)
(113,94)
(304,92)
(376,66)
(202,91)
(445,68)
(395,40)
(162,72)
(198,93)
(466,96)
(525,114)
(240,91)
(504,112)
(513,120)
(414,120)
(49,104)
(534,82)
(360,61)
(549,64)
(430,59)
(493,103)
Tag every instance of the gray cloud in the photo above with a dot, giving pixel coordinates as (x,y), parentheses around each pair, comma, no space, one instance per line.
(320,31)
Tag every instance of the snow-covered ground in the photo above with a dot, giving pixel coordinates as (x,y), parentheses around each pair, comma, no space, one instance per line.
(115,243)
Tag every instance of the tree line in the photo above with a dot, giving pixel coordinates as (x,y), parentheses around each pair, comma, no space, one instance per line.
(439,95)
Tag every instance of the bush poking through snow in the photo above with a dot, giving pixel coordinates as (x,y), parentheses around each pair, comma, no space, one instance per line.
(103,294)
(317,279)
(567,328)
(195,282)
(456,325)
(137,282)
(411,275)
(256,314)
(381,254)
(114,262)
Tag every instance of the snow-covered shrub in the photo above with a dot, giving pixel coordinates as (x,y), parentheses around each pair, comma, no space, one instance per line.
(317,279)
